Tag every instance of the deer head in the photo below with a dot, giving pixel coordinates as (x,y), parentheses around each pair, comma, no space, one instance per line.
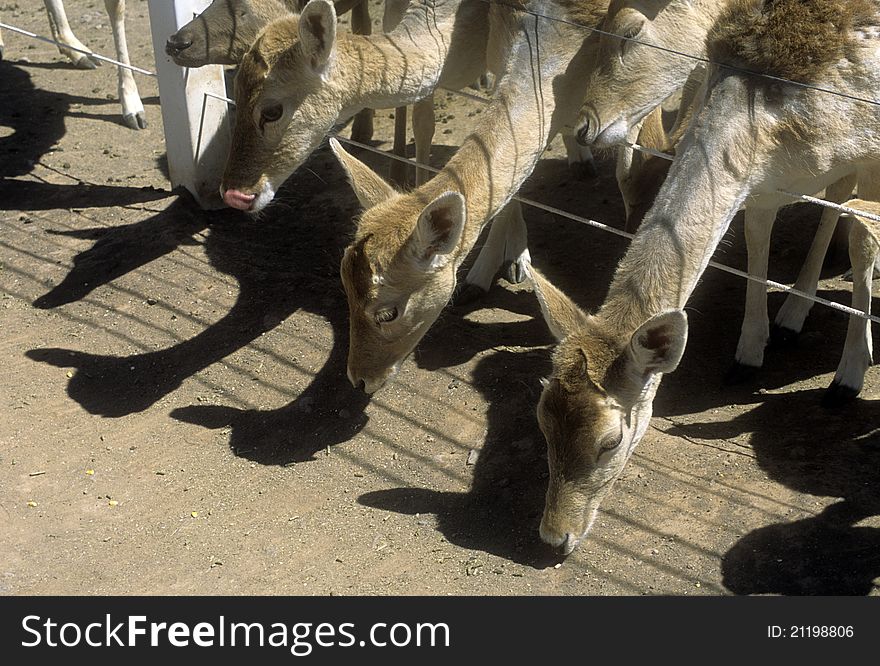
(398,273)
(596,406)
(288,98)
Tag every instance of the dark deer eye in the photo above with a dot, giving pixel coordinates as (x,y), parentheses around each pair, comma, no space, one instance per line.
(385,316)
(610,443)
(630,33)
(271,113)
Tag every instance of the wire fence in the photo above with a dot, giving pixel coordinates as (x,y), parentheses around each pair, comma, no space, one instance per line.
(557,211)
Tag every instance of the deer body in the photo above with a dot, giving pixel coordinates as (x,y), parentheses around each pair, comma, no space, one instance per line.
(749,138)
(628,80)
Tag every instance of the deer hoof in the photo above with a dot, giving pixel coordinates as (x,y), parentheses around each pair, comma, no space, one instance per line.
(465,294)
(782,337)
(136,121)
(515,272)
(86,62)
(837,395)
(739,373)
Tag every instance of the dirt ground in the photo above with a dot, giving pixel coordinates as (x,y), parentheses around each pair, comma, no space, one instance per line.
(176,417)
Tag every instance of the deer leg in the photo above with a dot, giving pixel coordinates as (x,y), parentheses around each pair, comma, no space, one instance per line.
(362,127)
(423,129)
(62,33)
(627,162)
(857,352)
(790,318)
(132,108)
(580,158)
(507,241)
(397,170)
(756,325)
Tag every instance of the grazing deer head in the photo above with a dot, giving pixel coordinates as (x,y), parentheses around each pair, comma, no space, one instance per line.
(288,100)
(596,406)
(630,78)
(397,280)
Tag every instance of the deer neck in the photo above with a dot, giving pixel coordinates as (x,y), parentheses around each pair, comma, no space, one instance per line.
(400,67)
(714,172)
(539,95)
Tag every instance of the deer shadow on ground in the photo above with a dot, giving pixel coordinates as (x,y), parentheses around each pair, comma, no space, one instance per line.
(35,116)
(283,263)
(826,453)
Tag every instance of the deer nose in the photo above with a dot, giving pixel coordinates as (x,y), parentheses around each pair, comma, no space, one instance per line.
(357,382)
(570,543)
(176,43)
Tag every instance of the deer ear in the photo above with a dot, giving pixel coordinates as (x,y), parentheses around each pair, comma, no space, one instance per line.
(369,186)
(317,34)
(563,317)
(658,344)
(438,230)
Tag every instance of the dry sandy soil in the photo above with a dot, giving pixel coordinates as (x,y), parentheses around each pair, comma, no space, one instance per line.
(176,416)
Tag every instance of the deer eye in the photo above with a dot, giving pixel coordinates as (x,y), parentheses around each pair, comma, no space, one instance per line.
(610,443)
(630,33)
(271,113)
(386,315)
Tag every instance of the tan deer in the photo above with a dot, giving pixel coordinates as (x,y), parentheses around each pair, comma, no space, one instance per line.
(400,270)
(301,78)
(750,137)
(132,108)
(224,32)
(629,79)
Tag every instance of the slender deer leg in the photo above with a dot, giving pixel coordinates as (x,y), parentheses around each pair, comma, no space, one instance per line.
(397,171)
(857,352)
(423,128)
(507,241)
(132,108)
(756,325)
(62,33)
(863,252)
(623,170)
(790,318)
(362,126)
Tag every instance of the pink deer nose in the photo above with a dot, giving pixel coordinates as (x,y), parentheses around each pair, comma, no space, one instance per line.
(239,200)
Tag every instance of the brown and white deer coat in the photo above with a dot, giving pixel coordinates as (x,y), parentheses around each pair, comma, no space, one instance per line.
(750,137)
(400,271)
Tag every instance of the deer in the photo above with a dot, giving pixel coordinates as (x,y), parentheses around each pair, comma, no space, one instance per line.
(300,61)
(750,137)
(629,80)
(132,108)
(400,270)
(225,30)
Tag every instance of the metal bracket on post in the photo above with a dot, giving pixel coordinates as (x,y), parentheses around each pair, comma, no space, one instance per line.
(197,132)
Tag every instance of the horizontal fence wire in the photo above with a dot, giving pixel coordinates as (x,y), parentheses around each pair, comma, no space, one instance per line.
(557,211)
(618,232)
(91,54)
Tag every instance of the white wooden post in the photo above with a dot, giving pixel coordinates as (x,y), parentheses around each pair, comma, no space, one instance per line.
(197,132)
